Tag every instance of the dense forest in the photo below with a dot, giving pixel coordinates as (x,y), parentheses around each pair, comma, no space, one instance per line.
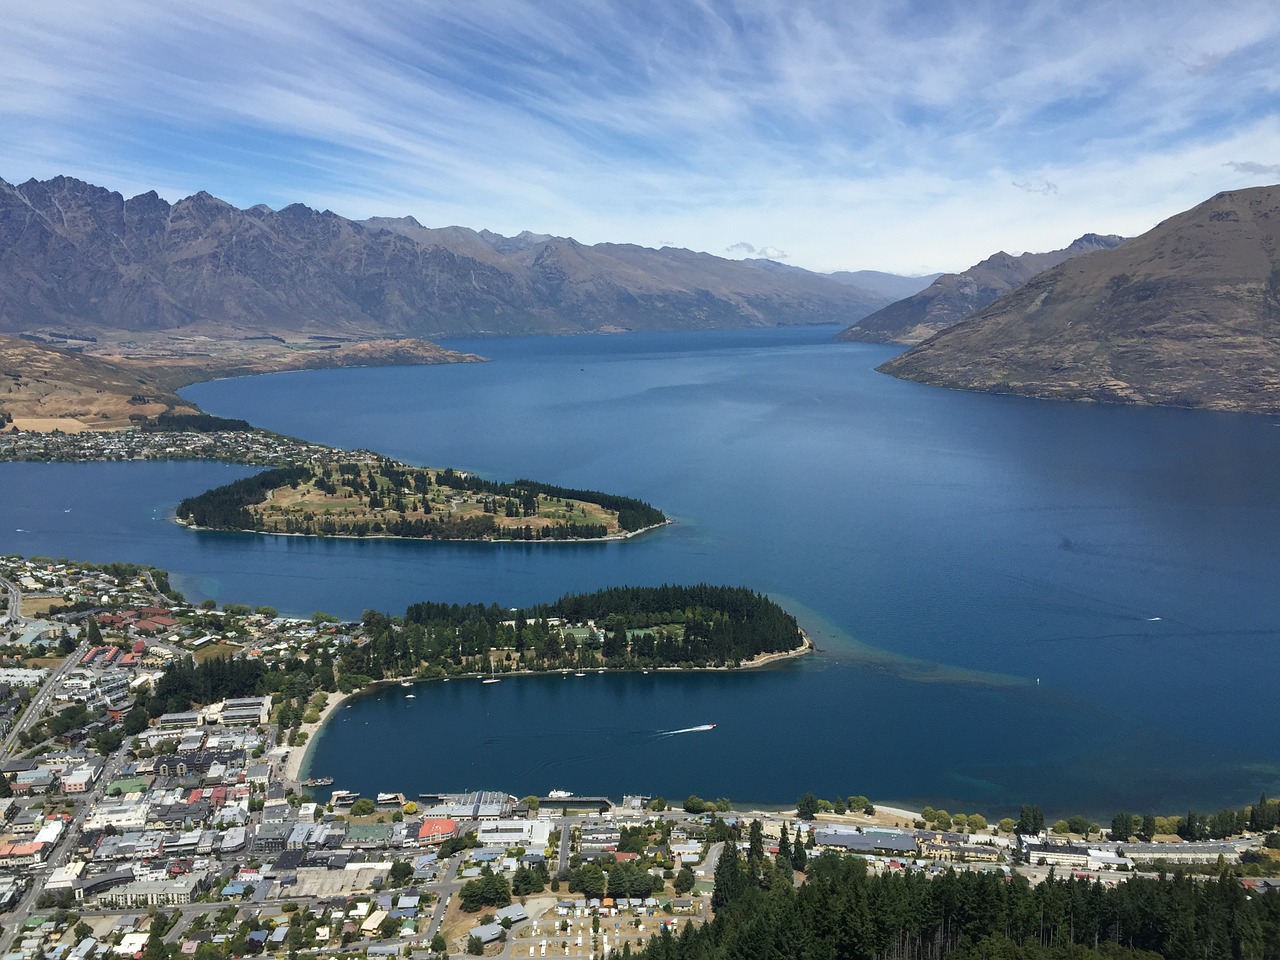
(227,507)
(193,423)
(390,499)
(843,912)
(699,625)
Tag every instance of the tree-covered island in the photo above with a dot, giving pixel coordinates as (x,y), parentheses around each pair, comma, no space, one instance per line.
(383,498)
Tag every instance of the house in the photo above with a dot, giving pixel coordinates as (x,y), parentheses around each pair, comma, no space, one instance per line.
(487,933)
(515,913)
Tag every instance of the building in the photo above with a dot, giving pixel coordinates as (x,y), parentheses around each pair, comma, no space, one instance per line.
(437,830)
(519,833)
(478,805)
(245,711)
(874,842)
(1193,852)
(179,721)
(1056,855)
(145,893)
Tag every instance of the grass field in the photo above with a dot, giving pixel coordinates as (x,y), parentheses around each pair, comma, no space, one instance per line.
(350,503)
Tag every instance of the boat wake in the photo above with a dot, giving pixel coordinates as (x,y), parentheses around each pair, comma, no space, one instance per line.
(701,728)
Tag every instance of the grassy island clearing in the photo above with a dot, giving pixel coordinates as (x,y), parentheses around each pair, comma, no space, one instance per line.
(384,498)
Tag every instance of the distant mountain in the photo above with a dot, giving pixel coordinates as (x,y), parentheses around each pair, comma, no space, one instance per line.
(1188,314)
(890,284)
(79,258)
(953,296)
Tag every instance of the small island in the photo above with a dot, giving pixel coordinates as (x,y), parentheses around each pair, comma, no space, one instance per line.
(379,497)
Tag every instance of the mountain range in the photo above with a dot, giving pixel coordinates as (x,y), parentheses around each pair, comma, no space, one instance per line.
(81,260)
(1188,314)
(953,296)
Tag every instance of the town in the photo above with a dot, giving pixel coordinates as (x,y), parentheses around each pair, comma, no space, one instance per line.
(150,799)
(246,445)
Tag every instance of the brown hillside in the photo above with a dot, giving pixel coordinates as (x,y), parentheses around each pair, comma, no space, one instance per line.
(1188,314)
(954,296)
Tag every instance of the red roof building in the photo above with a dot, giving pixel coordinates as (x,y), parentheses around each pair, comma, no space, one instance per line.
(437,831)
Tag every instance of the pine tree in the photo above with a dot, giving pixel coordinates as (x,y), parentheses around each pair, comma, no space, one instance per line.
(729,881)
(799,859)
(755,849)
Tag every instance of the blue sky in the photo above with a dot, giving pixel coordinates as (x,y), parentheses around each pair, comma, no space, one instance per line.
(899,136)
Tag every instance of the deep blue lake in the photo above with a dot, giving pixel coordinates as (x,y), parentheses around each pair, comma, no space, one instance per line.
(1017,601)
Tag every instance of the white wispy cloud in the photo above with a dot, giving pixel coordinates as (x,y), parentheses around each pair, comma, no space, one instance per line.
(851,135)
(1252,167)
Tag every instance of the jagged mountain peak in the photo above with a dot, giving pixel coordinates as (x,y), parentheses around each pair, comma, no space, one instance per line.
(73,253)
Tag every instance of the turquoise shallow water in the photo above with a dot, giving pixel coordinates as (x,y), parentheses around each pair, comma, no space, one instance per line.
(984,574)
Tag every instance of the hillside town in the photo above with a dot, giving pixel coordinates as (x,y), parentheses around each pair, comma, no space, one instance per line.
(126,824)
(249,446)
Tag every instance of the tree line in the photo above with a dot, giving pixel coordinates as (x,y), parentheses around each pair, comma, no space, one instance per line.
(843,911)
(673,625)
(193,423)
(227,507)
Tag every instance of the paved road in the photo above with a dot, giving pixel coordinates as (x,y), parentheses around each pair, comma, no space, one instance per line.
(15,600)
(42,699)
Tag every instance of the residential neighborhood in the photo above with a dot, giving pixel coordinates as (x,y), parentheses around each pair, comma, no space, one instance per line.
(233,446)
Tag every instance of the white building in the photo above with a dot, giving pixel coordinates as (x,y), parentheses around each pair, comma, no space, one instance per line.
(514,833)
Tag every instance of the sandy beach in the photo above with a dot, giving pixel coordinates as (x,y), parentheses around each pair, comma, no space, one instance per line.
(298,755)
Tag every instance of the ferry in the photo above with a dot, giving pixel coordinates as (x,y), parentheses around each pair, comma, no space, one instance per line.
(559,794)
(318,782)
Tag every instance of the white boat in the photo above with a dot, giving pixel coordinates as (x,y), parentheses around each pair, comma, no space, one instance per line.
(579,674)
(410,696)
(559,794)
(405,683)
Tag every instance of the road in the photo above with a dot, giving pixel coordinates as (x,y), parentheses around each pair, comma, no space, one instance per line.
(43,697)
(15,600)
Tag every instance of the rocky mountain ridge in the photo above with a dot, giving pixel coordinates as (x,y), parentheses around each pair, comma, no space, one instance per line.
(82,259)
(1188,314)
(954,296)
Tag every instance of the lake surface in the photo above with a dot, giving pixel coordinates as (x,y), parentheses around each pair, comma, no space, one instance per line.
(1017,601)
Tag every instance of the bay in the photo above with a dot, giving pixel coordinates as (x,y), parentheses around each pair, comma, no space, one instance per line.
(1016,600)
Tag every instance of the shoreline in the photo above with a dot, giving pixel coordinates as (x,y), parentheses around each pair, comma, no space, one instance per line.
(611,538)
(296,763)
